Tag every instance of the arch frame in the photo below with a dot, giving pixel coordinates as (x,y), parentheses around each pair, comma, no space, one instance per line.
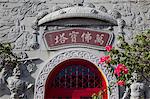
(80,54)
(77,12)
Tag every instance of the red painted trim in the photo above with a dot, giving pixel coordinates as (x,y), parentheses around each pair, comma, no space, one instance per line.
(75,93)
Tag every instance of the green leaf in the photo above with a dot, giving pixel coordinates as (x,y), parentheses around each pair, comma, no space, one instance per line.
(106,53)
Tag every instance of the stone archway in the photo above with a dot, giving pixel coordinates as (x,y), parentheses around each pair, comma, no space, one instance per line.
(43,76)
(75,79)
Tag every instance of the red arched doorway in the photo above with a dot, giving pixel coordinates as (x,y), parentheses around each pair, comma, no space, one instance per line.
(75,79)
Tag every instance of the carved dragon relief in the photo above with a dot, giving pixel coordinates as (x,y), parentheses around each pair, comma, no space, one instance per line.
(13,16)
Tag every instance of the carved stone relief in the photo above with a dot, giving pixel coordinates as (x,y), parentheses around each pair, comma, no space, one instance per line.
(42,77)
(16,15)
(135,13)
(10,79)
(17,86)
(14,12)
(12,16)
(28,66)
(22,42)
(80,10)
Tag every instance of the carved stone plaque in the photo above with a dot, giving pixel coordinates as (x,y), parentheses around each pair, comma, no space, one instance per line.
(77,37)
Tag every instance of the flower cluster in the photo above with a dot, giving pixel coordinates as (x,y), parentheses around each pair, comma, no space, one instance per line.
(105,59)
(121,82)
(120,70)
(108,48)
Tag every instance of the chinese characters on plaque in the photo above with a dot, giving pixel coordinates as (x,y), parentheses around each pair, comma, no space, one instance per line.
(73,37)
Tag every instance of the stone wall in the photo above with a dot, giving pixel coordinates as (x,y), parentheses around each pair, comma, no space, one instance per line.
(17,18)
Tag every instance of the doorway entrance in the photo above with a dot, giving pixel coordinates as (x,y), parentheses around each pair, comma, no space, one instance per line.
(75,79)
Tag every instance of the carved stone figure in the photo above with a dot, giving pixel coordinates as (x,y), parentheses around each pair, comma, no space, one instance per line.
(121,24)
(17,86)
(2,79)
(115,14)
(103,9)
(138,89)
(6,70)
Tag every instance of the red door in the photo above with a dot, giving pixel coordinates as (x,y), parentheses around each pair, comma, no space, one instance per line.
(74,93)
(75,79)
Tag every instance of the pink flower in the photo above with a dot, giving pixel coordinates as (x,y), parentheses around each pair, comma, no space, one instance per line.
(121,83)
(102,60)
(124,68)
(108,48)
(117,72)
(125,71)
(106,59)
(121,68)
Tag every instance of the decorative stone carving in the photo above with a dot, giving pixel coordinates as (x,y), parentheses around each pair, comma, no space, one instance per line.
(41,15)
(22,55)
(28,65)
(8,76)
(12,17)
(31,8)
(103,9)
(135,14)
(79,2)
(139,89)
(14,32)
(62,12)
(6,70)
(68,5)
(94,11)
(2,80)
(87,11)
(41,79)
(125,8)
(115,14)
(78,12)
(17,86)
(91,5)
(15,15)
(35,44)
(56,8)
(23,41)
(121,25)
